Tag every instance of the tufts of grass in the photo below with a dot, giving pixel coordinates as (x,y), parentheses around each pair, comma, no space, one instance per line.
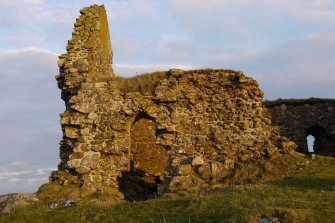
(145,83)
(52,192)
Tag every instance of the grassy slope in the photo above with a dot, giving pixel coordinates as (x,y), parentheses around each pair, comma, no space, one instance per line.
(292,188)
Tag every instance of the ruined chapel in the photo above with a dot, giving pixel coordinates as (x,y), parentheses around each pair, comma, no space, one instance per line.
(175,130)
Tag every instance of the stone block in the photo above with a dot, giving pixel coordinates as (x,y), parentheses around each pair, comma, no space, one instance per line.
(185,170)
(197,161)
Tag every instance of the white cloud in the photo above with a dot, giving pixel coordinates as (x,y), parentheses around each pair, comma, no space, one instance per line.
(23,181)
(298,69)
(17,163)
(127,9)
(28,115)
(20,3)
(8,175)
(308,9)
(3,169)
(246,25)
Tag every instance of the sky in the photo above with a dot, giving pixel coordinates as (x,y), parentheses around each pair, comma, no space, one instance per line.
(288,46)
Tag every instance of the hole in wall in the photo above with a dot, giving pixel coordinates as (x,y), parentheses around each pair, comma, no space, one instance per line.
(147,162)
(315,136)
(310,143)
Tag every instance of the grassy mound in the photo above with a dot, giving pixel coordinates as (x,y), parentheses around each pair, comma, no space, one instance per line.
(291,188)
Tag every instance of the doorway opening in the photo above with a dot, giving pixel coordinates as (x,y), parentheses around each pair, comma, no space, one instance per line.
(314,137)
(310,143)
(147,162)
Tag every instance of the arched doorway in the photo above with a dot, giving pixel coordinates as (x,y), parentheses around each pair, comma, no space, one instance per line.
(147,161)
(320,144)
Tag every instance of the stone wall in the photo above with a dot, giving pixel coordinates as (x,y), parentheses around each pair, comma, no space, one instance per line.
(187,131)
(299,118)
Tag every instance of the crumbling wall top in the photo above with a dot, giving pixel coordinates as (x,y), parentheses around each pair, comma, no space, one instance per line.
(89,56)
(298,102)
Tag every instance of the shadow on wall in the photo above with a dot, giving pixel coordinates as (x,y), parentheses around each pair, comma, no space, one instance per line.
(147,161)
(135,186)
(313,136)
(319,142)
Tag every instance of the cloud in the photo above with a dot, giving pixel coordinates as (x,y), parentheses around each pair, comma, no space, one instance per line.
(23,181)
(299,69)
(28,114)
(20,3)
(17,163)
(118,10)
(26,76)
(246,25)
(307,9)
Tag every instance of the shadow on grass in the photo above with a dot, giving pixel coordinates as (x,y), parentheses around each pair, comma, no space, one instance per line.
(304,183)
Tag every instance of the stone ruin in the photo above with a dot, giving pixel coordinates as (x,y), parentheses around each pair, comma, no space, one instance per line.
(299,118)
(156,133)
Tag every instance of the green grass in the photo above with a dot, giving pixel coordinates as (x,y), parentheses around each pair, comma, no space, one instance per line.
(302,191)
(145,83)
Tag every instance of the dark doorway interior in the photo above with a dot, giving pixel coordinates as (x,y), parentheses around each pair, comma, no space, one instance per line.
(322,143)
(147,162)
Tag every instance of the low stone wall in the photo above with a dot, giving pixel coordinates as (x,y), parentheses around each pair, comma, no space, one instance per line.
(299,118)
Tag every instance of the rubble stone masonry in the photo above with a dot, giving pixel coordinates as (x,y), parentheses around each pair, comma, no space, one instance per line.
(298,118)
(189,130)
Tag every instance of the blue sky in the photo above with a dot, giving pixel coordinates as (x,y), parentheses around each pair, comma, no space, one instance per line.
(288,46)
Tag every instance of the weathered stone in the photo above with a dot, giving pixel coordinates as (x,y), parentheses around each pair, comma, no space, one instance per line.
(83,170)
(64,203)
(90,160)
(73,70)
(197,161)
(185,170)
(83,108)
(77,155)
(205,171)
(10,201)
(64,120)
(60,62)
(73,163)
(92,116)
(140,136)
(283,107)
(71,132)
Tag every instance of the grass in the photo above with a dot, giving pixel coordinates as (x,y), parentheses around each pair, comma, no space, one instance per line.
(293,188)
(145,83)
